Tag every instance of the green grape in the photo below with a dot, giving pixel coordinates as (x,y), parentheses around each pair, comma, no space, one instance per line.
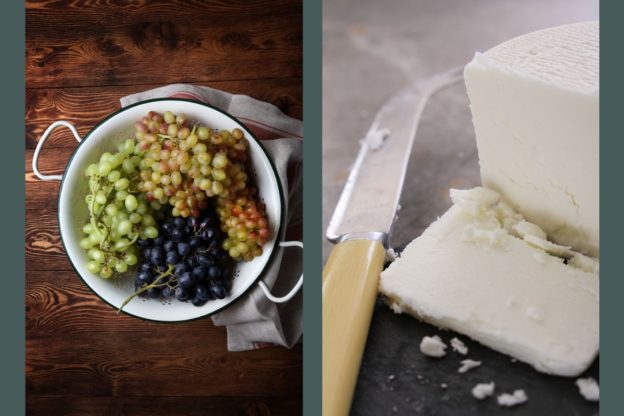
(234,252)
(124,227)
(96,238)
(121,266)
(130,259)
(105,168)
(106,272)
(121,184)
(107,221)
(148,220)
(150,232)
(131,203)
(113,175)
(128,166)
(86,243)
(135,218)
(242,247)
(169,117)
(121,195)
(114,234)
(203,133)
(122,243)
(92,170)
(218,174)
(97,255)
(142,208)
(93,266)
(100,198)
(116,210)
(127,147)
(111,209)
(219,160)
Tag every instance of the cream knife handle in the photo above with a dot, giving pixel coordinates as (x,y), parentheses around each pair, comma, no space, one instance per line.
(350,281)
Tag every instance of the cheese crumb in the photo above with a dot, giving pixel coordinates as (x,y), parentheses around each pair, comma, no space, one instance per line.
(396,308)
(433,346)
(509,400)
(467,365)
(375,139)
(476,200)
(483,390)
(391,255)
(584,263)
(458,346)
(524,228)
(589,389)
(507,217)
(547,246)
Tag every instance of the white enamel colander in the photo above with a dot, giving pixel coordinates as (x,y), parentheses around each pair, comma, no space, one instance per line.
(72,212)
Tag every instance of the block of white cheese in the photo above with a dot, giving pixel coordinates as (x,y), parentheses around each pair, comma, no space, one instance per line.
(534,103)
(477,272)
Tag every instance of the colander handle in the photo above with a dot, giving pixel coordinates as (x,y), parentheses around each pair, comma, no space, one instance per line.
(294,290)
(44,136)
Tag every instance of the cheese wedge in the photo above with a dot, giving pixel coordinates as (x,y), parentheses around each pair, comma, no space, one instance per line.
(484,271)
(534,103)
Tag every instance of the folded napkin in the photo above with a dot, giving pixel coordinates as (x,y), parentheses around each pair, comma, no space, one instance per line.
(253,321)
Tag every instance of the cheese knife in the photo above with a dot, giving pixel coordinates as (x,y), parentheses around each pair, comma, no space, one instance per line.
(360,228)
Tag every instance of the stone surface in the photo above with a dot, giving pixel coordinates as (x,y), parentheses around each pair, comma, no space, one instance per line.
(372,48)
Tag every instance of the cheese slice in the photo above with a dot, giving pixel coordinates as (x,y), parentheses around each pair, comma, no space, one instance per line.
(470,272)
(534,103)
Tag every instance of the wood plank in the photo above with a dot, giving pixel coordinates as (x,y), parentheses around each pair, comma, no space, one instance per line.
(158,362)
(85,107)
(63,316)
(123,47)
(164,406)
(44,250)
(60,302)
(111,12)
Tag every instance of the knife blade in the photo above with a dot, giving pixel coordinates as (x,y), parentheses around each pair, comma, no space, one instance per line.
(360,227)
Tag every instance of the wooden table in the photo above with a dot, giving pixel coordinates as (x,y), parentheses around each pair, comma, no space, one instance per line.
(81,57)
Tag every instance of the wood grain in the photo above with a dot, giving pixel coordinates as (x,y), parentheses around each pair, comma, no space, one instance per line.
(162,361)
(86,107)
(82,46)
(165,406)
(82,56)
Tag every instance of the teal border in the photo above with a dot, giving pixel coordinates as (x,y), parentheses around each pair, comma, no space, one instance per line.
(12,168)
(255,139)
(611,203)
(312,199)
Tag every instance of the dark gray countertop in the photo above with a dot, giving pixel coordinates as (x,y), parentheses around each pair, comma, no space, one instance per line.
(371,49)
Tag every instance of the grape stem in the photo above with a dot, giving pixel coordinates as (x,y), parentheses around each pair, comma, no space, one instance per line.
(155,283)
(131,242)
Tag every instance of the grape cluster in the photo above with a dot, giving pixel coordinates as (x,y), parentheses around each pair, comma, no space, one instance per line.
(184,262)
(184,165)
(118,214)
(197,174)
